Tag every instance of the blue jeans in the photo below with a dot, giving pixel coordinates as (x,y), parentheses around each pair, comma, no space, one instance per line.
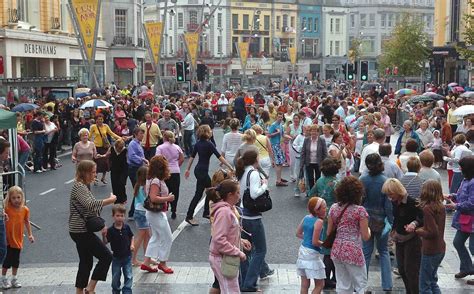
(465,258)
(23,158)
(3,241)
(188,141)
(118,265)
(132,174)
(251,268)
(429,273)
(381,240)
(456,182)
(38,155)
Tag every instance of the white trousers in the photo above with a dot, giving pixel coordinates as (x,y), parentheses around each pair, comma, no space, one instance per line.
(159,246)
(350,278)
(265,164)
(294,164)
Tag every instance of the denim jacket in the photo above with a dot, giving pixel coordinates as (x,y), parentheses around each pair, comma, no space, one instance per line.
(464,202)
(377,204)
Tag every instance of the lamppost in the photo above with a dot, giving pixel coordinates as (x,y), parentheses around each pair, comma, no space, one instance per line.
(220,57)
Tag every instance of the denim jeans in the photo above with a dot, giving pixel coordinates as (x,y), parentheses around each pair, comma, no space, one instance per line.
(3,241)
(459,242)
(456,182)
(429,273)
(38,155)
(119,265)
(132,174)
(381,241)
(188,141)
(251,268)
(23,158)
(203,181)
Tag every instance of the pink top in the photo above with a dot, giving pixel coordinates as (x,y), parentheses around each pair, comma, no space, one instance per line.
(84,152)
(347,247)
(119,113)
(225,230)
(171,152)
(161,185)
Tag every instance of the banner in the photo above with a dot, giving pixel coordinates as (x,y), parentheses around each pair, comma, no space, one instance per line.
(293,55)
(192,41)
(153,35)
(244,53)
(86,13)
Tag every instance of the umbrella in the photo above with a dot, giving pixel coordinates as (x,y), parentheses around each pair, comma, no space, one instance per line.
(195,94)
(405,92)
(144,95)
(96,103)
(468,94)
(23,107)
(452,84)
(433,95)
(97,91)
(83,90)
(464,110)
(420,98)
(458,89)
(81,95)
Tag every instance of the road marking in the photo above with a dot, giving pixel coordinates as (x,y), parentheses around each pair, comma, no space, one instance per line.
(68,182)
(47,191)
(65,154)
(184,224)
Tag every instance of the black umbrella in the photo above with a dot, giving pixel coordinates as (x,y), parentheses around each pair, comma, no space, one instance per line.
(420,98)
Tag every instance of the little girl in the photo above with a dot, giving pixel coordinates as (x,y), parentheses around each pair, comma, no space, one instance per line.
(437,150)
(143,226)
(18,218)
(309,264)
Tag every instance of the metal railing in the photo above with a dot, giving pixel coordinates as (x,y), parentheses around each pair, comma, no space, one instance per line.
(13,15)
(55,23)
(120,40)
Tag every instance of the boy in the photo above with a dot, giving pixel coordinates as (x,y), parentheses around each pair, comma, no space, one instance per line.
(120,237)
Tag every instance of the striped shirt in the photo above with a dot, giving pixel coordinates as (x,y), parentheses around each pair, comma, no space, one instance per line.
(83,200)
(412,183)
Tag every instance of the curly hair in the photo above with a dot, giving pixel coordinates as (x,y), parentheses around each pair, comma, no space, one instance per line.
(330,167)
(374,164)
(158,168)
(349,191)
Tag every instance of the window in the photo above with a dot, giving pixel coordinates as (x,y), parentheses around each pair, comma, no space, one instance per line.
(292,22)
(363,20)
(429,21)
(372,20)
(368,44)
(316,25)
(390,20)
(331,25)
(256,22)
(330,48)
(120,23)
(22,6)
(235,41)
(170,22)
(193,17)
(303,23)
(278,22)
(219,20)
(285,20)
(266,45)
(203,40)
(310,24)
(246,22)
(266,22)
(337,48)
(353,21)
(397,19)
(171,45)
(338,25)
(219,45)
(235,21)
(383,20)
(180,20)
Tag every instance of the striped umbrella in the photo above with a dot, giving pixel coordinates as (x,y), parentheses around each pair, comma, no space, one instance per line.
(404,92)
(96,103)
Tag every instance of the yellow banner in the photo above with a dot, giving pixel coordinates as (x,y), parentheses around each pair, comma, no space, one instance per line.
(153,34)
(292,52)
(192,41)
(244,53)
(86,13)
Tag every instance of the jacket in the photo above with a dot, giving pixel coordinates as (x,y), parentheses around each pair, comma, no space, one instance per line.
(321,152)
(225,230)
(414,136)
(464,203)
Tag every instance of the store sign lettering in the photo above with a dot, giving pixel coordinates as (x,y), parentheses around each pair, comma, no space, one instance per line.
(40,49)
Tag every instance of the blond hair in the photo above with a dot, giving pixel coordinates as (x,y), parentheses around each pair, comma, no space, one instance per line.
(258,129)
(169,136)
(249,136)
(394,187)
(13,190)
(84,168)
(83,131)
(119,144)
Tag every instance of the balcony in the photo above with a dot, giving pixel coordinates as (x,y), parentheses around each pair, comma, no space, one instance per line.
(140,42)
(122,41)
(13,17)
(55,24)
(251,32)
(191,27)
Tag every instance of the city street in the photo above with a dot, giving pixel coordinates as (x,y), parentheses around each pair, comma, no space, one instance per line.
(51,262)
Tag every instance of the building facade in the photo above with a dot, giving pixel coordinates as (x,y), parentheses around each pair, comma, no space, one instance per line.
(309,38)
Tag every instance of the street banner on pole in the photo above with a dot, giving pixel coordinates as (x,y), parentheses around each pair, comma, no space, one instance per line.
(244,53)
(153,35)
(86,14)
(192,40)
(292,52)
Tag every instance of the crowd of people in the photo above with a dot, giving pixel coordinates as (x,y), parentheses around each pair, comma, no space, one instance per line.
(335,145)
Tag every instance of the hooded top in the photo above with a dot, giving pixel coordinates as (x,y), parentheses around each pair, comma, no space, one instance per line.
(225,230)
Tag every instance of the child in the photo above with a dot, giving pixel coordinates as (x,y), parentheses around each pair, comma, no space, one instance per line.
(437,150)
(140,219)
(120,237)
(18,219)
(309,264)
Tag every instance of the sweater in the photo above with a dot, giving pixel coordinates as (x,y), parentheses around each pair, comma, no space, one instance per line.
(82,202)
(225,230)
(432,232)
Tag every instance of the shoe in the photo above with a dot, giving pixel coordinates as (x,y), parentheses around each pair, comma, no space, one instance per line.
(149,269)
(297,194)
(5,284)
(43,169)
(173,215)
(284,181)
(15,283)
(250,290)
(38,171)
(292,180)
(461,275)
(329,284)
(166,270)
(395,272)
(192,222)
(470,282)
(270,272)
(206,216)
(281,184)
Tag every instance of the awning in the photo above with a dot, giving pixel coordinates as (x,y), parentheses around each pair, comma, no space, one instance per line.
(125,63)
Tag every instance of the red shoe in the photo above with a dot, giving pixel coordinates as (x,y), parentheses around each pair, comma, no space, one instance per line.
(166,270)
(149,269)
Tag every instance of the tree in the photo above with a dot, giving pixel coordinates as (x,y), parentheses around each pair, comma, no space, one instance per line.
(407,48)
(467,51)
(354,50)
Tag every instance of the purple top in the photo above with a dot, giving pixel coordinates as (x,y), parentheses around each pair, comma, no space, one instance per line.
(135,154)
(464,203)
(171,152)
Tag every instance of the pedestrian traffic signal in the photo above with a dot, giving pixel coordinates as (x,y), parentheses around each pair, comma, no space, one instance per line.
(350,71)
(364,70)
(201,72)
(180,71)
(187,71)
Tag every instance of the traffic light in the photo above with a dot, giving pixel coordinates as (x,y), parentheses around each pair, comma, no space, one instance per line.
(344,70)
(180,71)
(187,71)
(201,72)
(364,71)
(350,71)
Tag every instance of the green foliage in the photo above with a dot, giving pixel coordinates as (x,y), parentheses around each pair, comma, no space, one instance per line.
(407,48)
(468,35)
(354,50)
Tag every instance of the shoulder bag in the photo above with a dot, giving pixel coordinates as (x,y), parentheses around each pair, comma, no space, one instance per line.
(332,235)
(93,223)
(105,140)
(261,204)
(153,206)
(230,264)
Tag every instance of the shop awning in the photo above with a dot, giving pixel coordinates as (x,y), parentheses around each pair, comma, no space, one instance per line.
(125,63)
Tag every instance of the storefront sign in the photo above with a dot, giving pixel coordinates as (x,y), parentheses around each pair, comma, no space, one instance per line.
(38,49)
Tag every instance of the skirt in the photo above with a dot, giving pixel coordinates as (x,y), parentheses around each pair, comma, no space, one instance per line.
(102,163)
(278,154)
(310,264)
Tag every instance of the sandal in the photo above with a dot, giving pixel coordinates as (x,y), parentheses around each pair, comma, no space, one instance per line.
(149,269)
(88,292)
(166,270)
(104,181)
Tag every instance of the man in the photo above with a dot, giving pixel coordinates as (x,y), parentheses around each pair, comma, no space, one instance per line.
(166,123)
(391,169)
(37,127)
(4,153)
(259,99)
(135,159)
(152,136)
(382,93)
(275,132)
(342,109)
(188,127)
(239,107)
(379,138)
(222,104)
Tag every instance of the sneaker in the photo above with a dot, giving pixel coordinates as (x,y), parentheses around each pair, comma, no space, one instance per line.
(15,283)
(395,272)
(6,284)
(38,171)
(297,194)
(267,274)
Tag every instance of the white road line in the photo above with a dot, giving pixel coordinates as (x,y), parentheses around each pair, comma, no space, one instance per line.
(65,154)
(68,182)
(184,224)
(47,191)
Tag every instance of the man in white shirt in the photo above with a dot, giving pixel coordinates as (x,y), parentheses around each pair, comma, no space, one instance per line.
(379,138)
(342,110)
(188,127)
(222,103)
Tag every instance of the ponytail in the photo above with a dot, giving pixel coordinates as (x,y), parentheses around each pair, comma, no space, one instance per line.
(221,191)
(248,158)
(239,168)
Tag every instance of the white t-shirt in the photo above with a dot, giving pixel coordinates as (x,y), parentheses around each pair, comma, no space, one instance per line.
(230,144)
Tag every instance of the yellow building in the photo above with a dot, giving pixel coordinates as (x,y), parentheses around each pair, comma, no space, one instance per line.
(286,25)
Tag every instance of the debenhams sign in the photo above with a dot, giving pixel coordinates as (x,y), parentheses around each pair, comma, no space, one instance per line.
(36,49)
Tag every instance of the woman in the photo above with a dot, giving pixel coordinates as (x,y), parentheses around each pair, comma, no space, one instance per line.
(312,154)
(249,138)
(253,229)
(99,133)
(139,215)
(231,141)
(425,135)
(407,245)
(406,135)
(463,218)
(50,143)
(386,123)
(466,126)
(83,204)
(453,157)
(291,132)
(175,157)
(118,170)
(84,149)
(351,221)
(340,151)
(410,151)
(159,246)
(205,149)
(327,134)
(75,126)
(265,152)
(379,208)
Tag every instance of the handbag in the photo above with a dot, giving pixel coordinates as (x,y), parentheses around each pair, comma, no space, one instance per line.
(230,266)
(465,223)
(302,186)
(105,140)
(93,223)
(152,206)
(260,204)
(332,235)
